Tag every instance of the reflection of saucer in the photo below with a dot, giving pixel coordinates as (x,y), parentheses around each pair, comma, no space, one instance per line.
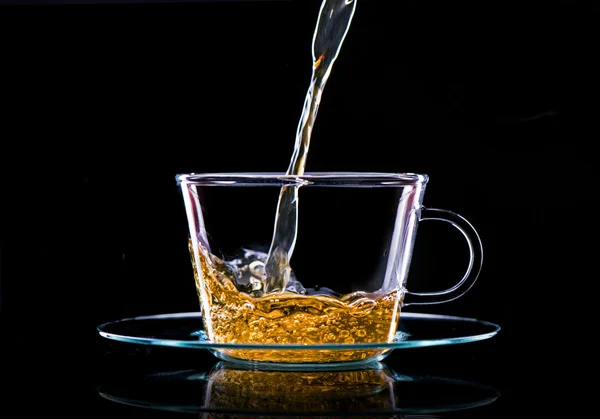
(233,389)
(185,330)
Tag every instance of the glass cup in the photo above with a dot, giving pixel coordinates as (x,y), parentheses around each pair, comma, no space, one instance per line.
(345,281)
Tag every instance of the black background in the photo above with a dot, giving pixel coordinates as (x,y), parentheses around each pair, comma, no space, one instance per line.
(102,105)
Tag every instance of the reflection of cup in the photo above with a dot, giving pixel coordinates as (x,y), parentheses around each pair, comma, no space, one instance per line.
(369,389)
(374,390)
(346,281)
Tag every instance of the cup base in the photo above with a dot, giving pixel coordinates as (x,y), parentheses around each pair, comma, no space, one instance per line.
(295,359)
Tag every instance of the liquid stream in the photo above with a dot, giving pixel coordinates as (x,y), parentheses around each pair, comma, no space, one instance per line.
(257,299)
(332,26)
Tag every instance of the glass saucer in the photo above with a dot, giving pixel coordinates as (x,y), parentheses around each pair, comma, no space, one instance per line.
(185,330)
(232,389)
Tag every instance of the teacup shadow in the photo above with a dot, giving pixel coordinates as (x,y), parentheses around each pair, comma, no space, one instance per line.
(231,388)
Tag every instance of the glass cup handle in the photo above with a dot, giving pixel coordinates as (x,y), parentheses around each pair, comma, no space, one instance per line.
(475,260)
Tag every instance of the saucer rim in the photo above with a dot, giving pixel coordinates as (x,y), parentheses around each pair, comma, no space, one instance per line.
(402,340)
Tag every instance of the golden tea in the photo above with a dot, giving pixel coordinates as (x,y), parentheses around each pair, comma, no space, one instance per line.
(234,316)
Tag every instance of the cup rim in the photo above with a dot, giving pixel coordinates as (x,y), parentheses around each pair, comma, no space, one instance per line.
(339,179)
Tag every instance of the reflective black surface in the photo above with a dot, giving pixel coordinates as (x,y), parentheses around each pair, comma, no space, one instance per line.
(102,105)
(150,382)
(374,389)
